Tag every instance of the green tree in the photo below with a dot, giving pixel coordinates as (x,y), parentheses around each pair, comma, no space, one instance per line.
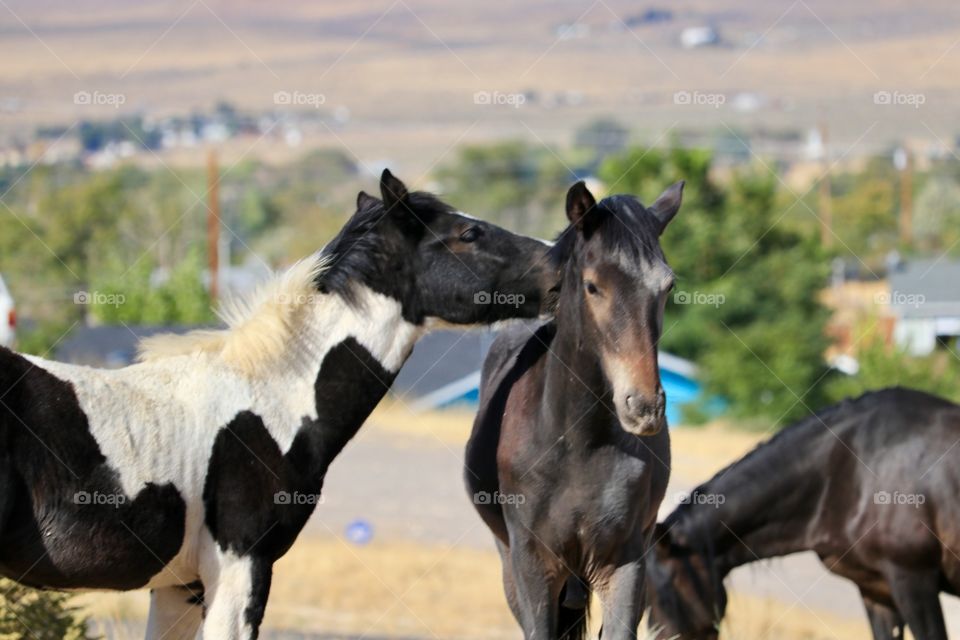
(130,295)
(882,366)
(937,214)
(511,182)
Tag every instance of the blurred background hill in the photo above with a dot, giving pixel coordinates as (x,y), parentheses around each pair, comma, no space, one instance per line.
(780,65)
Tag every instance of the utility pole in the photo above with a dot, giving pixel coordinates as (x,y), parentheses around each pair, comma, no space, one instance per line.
(213,223)
(825,198)
(903,160)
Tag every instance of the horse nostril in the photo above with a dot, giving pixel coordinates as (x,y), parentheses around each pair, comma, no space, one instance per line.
(640,405)
(637,404)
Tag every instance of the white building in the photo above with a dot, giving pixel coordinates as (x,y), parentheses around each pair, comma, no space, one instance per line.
(925,302)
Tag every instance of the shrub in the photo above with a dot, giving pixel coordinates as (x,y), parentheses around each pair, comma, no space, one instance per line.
(40,615)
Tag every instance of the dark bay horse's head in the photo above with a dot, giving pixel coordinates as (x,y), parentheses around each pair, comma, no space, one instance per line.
(685,592)
(438,263)
(616,283)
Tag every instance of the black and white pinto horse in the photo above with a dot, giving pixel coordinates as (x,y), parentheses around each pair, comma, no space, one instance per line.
(172,474)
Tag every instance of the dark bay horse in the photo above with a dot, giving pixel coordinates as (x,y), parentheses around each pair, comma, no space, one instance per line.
(871,485)
(192,472)
(569,459)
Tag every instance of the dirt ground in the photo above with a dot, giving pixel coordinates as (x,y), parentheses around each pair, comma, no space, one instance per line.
(430,570)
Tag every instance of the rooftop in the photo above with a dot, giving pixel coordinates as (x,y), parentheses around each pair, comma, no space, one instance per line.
(926,289)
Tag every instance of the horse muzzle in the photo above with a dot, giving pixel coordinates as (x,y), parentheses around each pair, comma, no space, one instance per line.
(641,416)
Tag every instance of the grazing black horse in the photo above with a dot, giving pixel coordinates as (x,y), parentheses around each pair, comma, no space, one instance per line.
(870,485)
(568,460)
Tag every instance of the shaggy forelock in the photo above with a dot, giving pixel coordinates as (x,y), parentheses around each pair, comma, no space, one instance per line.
(624,227)
(358,253)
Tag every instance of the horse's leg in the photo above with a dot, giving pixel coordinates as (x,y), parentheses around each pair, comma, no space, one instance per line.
(236,596)
(885,621)
(537,599)
(917,596)
(175,613)
(623,601)
(509,582)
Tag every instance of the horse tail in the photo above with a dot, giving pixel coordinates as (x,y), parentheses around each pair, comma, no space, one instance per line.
(573,621)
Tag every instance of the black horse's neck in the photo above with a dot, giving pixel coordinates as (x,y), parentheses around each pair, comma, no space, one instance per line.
(761,506)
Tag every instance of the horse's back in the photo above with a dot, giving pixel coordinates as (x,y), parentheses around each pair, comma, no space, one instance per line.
(888,466)
(895,428)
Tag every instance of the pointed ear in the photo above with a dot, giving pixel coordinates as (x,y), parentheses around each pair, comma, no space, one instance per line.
(580,202)
(668,204)
(664,541)
(394,192)
(365,200)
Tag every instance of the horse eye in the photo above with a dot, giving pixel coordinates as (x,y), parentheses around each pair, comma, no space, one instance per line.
(470,235)
(592,288)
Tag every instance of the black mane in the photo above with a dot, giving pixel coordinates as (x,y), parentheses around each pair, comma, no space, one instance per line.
(772,457)
(359,252)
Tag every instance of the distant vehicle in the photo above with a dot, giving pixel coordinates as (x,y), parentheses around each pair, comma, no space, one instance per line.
(8,316)
(695,37)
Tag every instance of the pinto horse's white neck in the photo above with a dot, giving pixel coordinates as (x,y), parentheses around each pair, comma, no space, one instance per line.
(374,320)
(276,345)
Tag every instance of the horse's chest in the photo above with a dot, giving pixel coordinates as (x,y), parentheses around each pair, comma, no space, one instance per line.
(600,503)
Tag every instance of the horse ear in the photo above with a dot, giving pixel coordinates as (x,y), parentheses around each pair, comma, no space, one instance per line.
(661,538)
(668,541)
(365,200)
(580,204)
(394,192)
(668,204)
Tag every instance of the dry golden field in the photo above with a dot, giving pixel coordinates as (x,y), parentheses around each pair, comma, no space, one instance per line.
(406,71)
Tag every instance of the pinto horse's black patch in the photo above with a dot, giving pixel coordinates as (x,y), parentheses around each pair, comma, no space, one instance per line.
(65,522)
(257,498)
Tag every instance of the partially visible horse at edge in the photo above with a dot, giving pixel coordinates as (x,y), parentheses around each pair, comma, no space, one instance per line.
(171,474)
(569,458)
(870,485)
